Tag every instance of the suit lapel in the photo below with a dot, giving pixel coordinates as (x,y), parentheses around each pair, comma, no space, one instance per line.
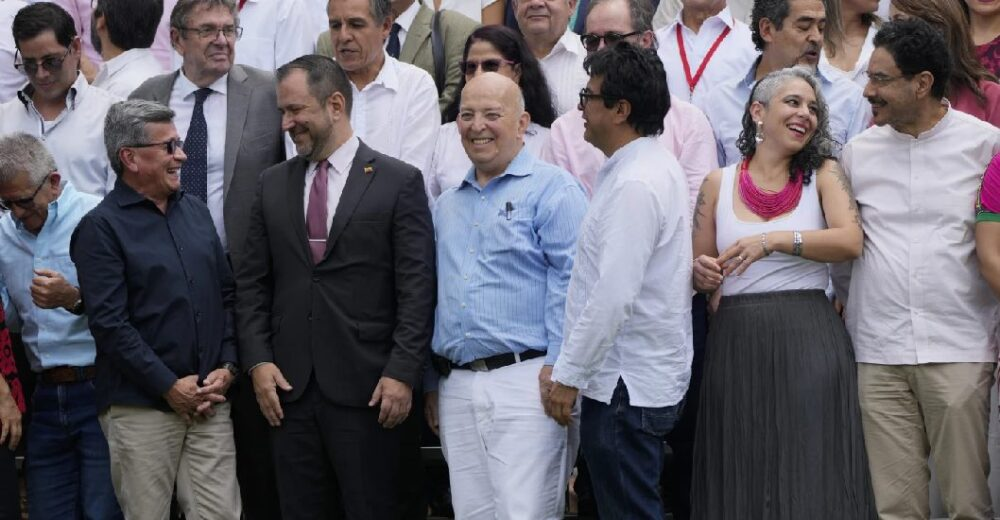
(161,94)
(420,30)
(237,105)
(362,172)
(296,183)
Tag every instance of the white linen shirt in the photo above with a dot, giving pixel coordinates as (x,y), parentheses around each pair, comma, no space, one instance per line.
(859,74)
(182,102)
(398,114)
(11,79)
(75,138)
(628,306)
(450,164)
(563,70)
(916,295)
(724,105)
(734,55)
(470,8)
(340,161)
(124,73)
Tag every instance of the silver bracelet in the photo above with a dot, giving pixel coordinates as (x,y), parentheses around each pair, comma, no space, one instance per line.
(796,243)
(763,244)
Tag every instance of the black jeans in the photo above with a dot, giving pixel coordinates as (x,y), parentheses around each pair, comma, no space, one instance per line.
(10,497)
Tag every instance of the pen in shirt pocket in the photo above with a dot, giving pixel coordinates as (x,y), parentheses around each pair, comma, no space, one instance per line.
(507,209)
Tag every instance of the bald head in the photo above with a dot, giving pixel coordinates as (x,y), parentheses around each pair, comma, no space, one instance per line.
(492,122)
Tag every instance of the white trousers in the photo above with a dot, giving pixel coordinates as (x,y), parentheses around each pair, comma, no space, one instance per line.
(506,458)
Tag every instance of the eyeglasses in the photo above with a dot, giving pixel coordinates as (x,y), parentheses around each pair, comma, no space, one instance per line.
(586,94)
(172,145)
(27,202)
(881,80)
(592,42)
(51,64)
(211,32)
(490,65)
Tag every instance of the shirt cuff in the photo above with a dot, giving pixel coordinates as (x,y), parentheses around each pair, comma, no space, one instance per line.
(568,377)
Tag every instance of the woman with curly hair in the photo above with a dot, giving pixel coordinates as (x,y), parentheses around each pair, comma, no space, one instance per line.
(11,408)
(491,48)
(779,426)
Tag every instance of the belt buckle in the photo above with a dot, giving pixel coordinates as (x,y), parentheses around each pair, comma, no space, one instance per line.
(478,365)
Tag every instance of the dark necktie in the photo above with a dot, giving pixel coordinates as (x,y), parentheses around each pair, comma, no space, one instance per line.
(194,173)
(393,46)
(316,213)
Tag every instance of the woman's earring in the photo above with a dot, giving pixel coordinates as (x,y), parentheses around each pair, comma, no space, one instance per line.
(759,134)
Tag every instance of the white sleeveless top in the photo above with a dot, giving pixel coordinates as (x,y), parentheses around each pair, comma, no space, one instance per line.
(778,272)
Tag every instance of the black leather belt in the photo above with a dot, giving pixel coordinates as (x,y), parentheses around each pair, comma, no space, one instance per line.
(65,374)
(444,366)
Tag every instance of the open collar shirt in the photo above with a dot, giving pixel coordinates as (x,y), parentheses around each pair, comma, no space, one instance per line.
(53,337)
(124,73)
(628,306)
(916,295)
(75,138)
(563,70)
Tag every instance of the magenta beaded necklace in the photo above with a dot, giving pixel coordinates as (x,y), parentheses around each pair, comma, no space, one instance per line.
(768,204)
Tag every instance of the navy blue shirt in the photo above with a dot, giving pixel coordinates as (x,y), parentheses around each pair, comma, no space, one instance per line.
(158,292)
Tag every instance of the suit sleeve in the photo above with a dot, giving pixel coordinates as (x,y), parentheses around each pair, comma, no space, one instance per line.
(254,289)
(457,28)
(416,285)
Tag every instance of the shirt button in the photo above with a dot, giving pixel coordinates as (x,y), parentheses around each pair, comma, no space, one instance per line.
(482,198)
(316,279)
(463,305)
(472,251)
(466,277)
(309,317)
(467,334)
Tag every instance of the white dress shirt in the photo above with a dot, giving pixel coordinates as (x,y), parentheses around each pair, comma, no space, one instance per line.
(668,9)
(731,58)
(916,293)
(724,105)
(182,102)
(450,164)
(75,138)
(405,20)
(563,70)
(470,8)
(628,306)
(11,79)
(340,161)
(397,114)
(859,74)
(124,73)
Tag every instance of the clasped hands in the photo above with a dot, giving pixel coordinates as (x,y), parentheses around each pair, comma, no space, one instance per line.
(734,261)
(191,401)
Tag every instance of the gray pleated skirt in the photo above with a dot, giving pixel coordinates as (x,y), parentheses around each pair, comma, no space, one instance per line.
(779,426)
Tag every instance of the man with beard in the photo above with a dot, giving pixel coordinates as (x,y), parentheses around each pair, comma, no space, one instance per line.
(919,312)
(787,32)
(335,303)
(232,133)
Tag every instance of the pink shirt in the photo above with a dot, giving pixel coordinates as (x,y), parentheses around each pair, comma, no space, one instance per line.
(80,11)
(964,100)
(686,133)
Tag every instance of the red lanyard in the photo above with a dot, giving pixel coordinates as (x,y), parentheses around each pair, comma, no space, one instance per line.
(692,82)
(242,3)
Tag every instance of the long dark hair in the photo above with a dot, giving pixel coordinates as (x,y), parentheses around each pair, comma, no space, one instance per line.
(820,145)
(510,45)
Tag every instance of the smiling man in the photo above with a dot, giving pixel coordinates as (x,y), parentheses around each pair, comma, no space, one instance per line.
(506,238)
(787,32)
(158,294)
(58,105)
(545,27)
(395,104)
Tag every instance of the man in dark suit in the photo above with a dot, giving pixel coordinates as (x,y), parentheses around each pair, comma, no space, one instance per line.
(232,130)
(335,302)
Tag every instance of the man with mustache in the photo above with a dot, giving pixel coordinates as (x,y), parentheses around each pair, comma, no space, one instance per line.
(919,312)
(787,32)
(232,132)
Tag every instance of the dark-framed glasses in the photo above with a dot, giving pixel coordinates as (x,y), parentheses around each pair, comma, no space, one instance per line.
(592,42)
(210,32)
(27,202)
(172,145)
(586,95)
(29,67)
(491,65)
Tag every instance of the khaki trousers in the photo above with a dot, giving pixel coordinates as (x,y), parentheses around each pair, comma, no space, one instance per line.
(152,450)
(941,410)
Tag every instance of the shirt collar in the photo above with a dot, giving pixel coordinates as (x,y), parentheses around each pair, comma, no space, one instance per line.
(53,213)
(187,88)
(118,63)
(568,42)
(125,195)
(724,16)
(388,77)
(341,158)
(938,127)
(405,19)
(76,92)
(521,166)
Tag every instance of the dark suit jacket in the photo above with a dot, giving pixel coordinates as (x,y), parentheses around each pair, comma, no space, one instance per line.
(366,310)
(456,28)
(254,140)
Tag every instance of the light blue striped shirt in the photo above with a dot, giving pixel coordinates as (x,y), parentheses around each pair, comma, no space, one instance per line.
(54,337)
(504,256)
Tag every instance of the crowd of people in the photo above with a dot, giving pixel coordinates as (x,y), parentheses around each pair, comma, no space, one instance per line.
(257,251)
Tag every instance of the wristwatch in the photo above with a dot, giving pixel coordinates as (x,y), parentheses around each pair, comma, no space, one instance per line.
(77,308)
(232,368)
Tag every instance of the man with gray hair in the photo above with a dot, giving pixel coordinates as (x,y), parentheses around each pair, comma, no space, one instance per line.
(159,296)
(67,455)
